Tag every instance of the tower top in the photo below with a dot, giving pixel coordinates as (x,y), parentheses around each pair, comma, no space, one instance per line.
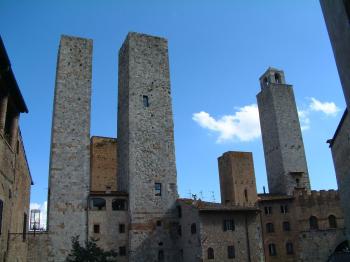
(272,76)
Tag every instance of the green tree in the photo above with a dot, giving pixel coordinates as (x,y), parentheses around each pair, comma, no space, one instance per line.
(90,253)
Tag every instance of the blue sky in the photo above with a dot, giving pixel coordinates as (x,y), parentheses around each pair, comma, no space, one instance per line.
(217,49)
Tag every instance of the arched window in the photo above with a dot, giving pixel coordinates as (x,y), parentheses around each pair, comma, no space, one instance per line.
(272,250)
(313,223)
(332,221)
(278,78)
(246,195)
(266,81)
(269,228)
(119,204)
(193,228)
(289,248)
(210,253)
(97,203)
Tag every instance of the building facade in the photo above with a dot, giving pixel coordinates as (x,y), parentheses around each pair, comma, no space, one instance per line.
(15,178)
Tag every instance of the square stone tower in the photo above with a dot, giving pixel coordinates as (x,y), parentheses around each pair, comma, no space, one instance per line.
(70,147)
(237,179)
(281,134)
(146,154)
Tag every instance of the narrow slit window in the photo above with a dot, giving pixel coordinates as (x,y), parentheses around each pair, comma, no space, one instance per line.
(145,101)
(121,228)
(24,233)
(158,189)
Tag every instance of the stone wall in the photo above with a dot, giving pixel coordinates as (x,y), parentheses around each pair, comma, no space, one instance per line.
(337,22)
(284,152)
(340,146)
(20,197)
(103,164)
(309,244)
(69,176)
(38,244)
(146,151)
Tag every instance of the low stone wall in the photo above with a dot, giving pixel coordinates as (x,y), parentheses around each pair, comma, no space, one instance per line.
(37,247)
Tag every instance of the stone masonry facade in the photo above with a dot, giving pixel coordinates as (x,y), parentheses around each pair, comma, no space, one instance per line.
(285,159)
(69,178)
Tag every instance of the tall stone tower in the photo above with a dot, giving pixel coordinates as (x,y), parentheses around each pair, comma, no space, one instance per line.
(281,134)
(146,153)
(70,147)
(237,179)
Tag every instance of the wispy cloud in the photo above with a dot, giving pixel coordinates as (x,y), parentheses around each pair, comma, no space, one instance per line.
(43,213)
(243,125)
(328,108)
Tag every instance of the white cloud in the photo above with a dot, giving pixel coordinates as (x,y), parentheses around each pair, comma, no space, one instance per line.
(304,119)
(328,108)
(43,212)
(243,125)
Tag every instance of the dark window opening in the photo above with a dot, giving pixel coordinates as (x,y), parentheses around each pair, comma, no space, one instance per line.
(24,233)
(229,224)
(97,204)
(231,252)
(270,228)
(313,223)
(268,210)
(119,204)
(181,253)
(158,189)
(193,228)
(179,211)
(246,195)
(97,229)
(332,221)
(297,182)
(159,223)
(121,228)
(145,101)
(286,226)
(122,251)
(289,248)
(278,78)
(347,9)
(266,81)
(1,208)
(284,209)
(210,253)
(179,230)
(272,250)
(161,255)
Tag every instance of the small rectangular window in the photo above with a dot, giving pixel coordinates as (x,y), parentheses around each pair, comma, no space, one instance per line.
(231,252)
(158,189)
(286,226)
(97,229)
(122,251)
(229,224)
(121,228)
(145,101)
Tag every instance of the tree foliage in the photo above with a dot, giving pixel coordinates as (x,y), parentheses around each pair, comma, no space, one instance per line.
(90,252)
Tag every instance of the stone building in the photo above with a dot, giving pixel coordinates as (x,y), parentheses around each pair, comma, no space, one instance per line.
(123,191)
(337,18)
(15,178)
